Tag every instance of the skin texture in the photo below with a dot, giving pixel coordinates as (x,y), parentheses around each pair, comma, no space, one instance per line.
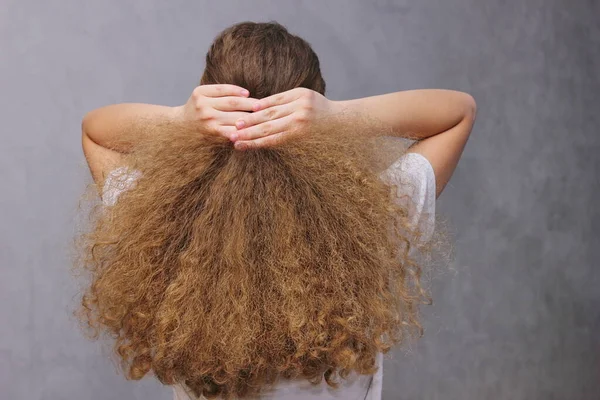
(225,269)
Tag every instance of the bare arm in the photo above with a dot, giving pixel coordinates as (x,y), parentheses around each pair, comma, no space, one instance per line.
(210,110)
(102,131)
(440,121)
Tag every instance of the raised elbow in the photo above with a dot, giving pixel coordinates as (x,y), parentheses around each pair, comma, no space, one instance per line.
(470,106)
(85,122)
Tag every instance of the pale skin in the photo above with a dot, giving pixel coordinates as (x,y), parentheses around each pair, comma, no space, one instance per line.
(440,120)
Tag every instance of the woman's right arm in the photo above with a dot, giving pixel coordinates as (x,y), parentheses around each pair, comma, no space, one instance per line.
(210,109)
(440,120)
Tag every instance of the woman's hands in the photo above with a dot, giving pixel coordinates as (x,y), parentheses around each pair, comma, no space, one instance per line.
(214,109)
(211,109)
(225,110)
(279,117)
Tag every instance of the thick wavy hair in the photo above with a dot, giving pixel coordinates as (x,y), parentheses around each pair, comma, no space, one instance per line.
(225,271)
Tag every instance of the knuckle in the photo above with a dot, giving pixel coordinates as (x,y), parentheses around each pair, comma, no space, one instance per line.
(270,113)
(308,95)
(308,104)
(302,116)
(204,114)
(266,128)
(233,102)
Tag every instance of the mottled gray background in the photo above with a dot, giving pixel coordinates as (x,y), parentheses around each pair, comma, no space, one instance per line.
(517,316)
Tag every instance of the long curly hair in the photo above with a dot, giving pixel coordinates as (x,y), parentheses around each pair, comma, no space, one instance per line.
(225,271)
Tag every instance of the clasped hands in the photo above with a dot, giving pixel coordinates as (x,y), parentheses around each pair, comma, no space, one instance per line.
(226,110)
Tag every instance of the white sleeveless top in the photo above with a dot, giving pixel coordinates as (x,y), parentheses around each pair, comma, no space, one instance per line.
(411,168)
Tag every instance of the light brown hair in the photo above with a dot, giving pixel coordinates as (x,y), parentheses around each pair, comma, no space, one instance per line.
(224,270)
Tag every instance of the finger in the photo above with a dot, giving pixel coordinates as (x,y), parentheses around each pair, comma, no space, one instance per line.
(220,90)
(230,117)
(278,99)
(233,103)
(264,142)
(226,131)
(264,129)
(268,114)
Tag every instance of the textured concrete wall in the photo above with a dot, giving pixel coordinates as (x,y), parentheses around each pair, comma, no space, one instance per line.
(518,316)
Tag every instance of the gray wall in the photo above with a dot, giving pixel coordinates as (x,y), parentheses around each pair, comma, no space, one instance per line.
(517,316)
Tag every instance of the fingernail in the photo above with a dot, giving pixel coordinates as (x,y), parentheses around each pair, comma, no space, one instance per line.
(245,92)
(233,137)
(240,124)
(256,107)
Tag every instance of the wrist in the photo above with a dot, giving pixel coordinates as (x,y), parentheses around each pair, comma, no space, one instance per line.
(339,106)
(176,114)
(348,111)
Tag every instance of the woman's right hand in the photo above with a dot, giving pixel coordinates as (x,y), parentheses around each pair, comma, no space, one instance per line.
(281,116)
(213,109)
